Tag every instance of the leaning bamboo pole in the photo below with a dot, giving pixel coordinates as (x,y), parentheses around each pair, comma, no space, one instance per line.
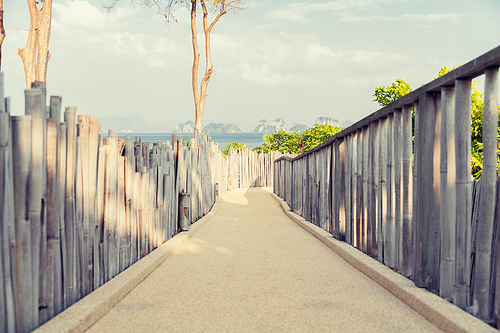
(21,140)
(52,274)
(85,254)
(121,229)
(143,212)
(79,210)
(129,195)
(69,209)
(135,222)
(8,227)
(463,186)
(99,247)
(92,247)
(35,107)
(55,306)
(61,169)
(487,203)
(110,206)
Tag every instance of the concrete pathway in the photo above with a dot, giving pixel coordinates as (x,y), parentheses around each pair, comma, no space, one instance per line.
(252,269)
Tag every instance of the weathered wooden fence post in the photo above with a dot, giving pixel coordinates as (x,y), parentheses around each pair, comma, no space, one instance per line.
(27,304)
(184,211)
(448,193)
(389,240)
(35,107)
(481,301)
(373,158)
(398,164)
(364,207)
(382,201)
(428,194)
(69,210)
(348,190)
(463,186)
(53,274)
(406,262)
(8,253)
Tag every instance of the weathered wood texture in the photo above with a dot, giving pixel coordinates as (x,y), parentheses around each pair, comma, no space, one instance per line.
(413,205)
(76,209)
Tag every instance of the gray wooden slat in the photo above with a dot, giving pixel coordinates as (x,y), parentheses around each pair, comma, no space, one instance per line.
(427,238)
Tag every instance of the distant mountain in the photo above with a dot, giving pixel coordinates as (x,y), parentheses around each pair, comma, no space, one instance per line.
(134,123)
(221,128)
(187,127)
(270,126)
(296,127)
(328,120)
(244,125)
(346,124)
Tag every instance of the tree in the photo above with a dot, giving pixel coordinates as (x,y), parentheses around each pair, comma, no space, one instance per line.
(35,55)
(297,142)
(385,96)
(231,146)
(2,31)
(200,96)
(220,8)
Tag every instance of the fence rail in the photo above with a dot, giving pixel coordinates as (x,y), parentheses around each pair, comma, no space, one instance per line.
(418,218)
(76,208)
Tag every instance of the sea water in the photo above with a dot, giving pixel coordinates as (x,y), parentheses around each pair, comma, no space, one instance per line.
(251,140)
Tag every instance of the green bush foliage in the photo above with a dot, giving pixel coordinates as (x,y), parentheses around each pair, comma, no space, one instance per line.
(297,142)
(386,95)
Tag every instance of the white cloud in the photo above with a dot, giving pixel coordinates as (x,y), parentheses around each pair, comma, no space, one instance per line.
(402,17)
(79,13)
(261,75)
(316,52)
(296,12)
(291,15)
(432,17)
(355,19)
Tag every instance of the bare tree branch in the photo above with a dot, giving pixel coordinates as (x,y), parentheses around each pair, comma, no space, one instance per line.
(221,7)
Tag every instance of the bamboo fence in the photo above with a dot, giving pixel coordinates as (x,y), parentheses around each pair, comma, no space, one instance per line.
(76,208)
(429,220)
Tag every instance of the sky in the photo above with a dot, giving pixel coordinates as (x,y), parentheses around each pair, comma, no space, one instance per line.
(276,59)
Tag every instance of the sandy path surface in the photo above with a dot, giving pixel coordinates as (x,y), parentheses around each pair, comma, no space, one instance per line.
(252,269)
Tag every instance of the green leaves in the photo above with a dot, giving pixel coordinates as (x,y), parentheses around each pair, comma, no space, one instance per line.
(297,142)
(233,146)
(387,95)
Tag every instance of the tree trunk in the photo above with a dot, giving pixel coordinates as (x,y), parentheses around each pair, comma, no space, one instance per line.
(35,54)
(196,64)
(2,31)
(200,100)
(44,21)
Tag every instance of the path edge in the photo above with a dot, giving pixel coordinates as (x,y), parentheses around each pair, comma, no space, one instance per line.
(86,312)
(446,316)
